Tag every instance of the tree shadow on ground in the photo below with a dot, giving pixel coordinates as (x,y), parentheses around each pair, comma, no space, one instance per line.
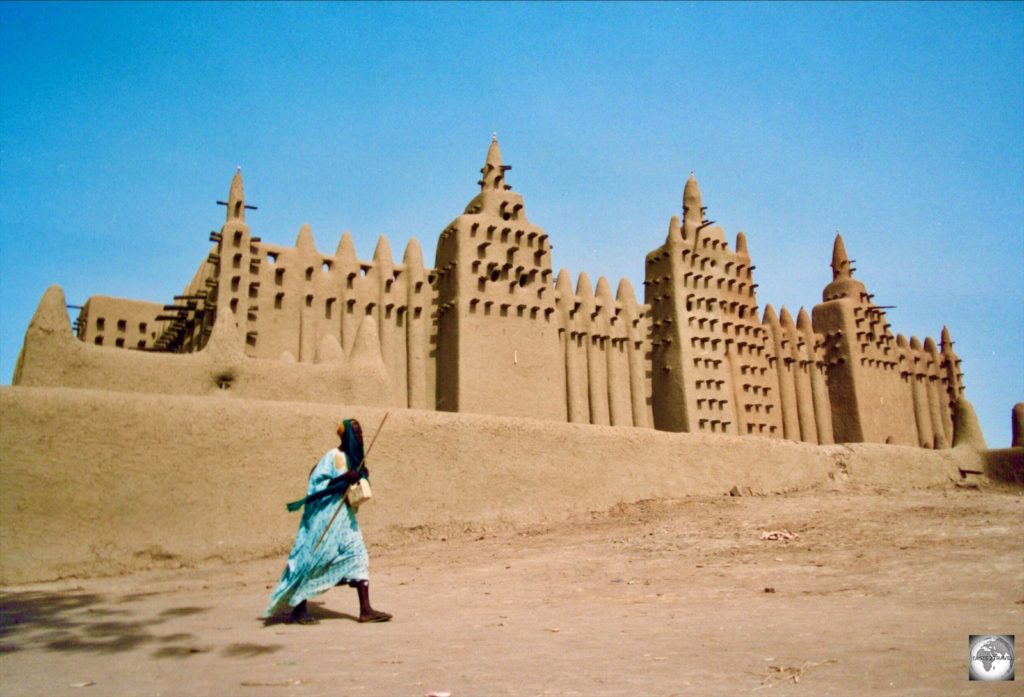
(80,622)
(247,650)
(322,613)
(92,623)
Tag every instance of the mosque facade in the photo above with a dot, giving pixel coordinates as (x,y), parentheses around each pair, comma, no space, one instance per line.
(490,329)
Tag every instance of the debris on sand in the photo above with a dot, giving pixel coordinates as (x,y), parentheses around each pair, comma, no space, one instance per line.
(778,535)
(780,674)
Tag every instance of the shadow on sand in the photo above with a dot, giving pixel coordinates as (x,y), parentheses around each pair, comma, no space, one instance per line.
(317,610)
(91,623)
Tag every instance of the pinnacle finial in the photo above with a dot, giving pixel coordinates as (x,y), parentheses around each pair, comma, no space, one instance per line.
(693,207)
(494,170)
(947,342)
(675,234)
(785,318)
(803,321)
(741,244)
(840,261)
(236,197)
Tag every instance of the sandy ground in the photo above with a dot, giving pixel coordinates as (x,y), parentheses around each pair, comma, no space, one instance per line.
(877,595)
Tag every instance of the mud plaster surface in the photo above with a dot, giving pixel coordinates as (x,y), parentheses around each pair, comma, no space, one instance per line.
(877,595)
(94,483)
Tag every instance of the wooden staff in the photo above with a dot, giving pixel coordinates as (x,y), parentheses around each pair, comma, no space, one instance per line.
(342,502)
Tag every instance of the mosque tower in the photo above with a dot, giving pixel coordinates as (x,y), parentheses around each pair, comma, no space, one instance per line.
(870,386)
(498,348)
(710,353)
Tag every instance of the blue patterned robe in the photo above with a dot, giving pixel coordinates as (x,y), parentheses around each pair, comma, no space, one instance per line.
(341,555)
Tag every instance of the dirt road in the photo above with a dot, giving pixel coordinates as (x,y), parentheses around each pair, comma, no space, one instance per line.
(876,595)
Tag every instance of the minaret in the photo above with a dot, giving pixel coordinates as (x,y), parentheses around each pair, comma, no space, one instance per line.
(498,346)
(237,263)
(708,361)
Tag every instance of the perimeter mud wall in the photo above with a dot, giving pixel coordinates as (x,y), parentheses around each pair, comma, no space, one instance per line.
(98,483)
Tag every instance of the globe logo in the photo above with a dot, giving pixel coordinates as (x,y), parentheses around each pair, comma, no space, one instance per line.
(991,657)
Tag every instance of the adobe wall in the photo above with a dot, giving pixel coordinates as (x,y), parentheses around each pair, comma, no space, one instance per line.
(1006,465)
(95,482)
(53,357)
(107,321)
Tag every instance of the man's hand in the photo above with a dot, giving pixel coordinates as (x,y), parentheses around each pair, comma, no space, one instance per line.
(351,476)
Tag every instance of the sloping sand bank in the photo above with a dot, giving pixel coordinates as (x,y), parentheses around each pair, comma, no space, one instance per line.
(98,483)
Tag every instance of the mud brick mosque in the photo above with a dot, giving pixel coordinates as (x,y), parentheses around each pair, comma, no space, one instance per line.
(490,329)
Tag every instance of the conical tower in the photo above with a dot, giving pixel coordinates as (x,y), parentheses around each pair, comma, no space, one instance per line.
(709,369)
(224,282)
(870,399)
(498,339)
(843,284)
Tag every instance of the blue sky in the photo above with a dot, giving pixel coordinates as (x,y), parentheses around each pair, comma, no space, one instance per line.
(901,125)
